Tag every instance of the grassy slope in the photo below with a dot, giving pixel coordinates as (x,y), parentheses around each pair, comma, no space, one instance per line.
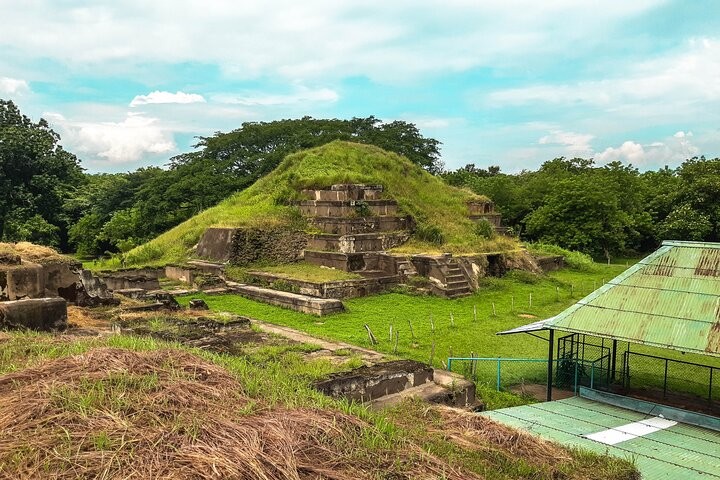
(427,198)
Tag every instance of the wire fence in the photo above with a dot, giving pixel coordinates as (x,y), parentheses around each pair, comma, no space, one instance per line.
(662,377)
(695,385)
(505,373)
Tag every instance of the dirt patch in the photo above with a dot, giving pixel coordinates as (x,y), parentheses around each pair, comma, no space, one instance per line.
(196,331)
(79,317)
(165,414)
(527,315)
(538,391)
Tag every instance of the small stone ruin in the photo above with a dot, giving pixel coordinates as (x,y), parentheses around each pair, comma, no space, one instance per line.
(35,288)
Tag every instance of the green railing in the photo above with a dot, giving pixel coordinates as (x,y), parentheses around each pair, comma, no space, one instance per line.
(507,372)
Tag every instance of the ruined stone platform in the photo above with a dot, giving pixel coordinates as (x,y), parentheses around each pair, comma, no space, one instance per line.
(293,301)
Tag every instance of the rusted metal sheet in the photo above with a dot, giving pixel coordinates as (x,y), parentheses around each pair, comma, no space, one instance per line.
(671,299)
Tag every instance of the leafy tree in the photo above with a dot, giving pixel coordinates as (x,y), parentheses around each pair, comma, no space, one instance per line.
(685,223)
(580,214)
(256,148)
(36,174)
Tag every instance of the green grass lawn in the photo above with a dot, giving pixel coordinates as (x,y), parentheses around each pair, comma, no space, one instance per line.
(434,337)
(430,316)
(296,271)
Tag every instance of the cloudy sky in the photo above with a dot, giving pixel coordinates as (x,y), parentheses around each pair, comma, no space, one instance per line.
(510,83)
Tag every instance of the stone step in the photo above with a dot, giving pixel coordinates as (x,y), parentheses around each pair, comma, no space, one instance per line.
(428,392)
(293,301)
(355,225)
(456,283)
(447,388)
(347,262)
(322,208)
(362,242)
(344,192)
(357,262)
(373,273)
(208,267)
(455,277)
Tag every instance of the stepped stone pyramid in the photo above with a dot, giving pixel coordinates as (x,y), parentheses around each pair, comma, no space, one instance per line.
(354,219)
(358,226)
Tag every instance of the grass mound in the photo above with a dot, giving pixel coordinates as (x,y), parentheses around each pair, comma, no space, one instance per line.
(440,210)
(113,413)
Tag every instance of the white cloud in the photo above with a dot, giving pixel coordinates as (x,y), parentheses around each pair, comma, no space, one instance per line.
(120,142)
(687,78)
(670,151)
(576,144)
(311,39)
(13,86)
(166,97)
(301,95)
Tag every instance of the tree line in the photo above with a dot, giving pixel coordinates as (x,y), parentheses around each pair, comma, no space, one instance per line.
(604,210)
(46,197)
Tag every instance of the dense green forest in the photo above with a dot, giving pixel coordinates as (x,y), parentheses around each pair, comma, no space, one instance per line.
(612,209)
(603,210)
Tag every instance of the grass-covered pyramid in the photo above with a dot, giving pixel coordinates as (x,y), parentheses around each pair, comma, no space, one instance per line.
(440,210)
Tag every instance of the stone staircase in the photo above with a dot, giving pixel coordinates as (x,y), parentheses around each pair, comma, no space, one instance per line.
(357,225)
(456,284)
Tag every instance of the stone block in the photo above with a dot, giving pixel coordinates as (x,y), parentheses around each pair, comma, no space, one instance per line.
(293,301)
(45,314)
(368,383)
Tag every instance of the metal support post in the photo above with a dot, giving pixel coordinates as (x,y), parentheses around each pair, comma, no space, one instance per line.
(551,341)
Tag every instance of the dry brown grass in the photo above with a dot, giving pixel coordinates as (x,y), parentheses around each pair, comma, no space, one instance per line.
(34,253)
(114,413)
(474,432)
(86,318)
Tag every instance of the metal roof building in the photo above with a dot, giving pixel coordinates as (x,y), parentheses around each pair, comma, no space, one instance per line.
(670,299)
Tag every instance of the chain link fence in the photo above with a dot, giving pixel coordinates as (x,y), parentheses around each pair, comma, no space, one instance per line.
(603,366)
(663,378)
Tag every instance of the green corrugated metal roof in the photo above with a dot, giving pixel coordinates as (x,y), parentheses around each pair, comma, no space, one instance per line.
(670,299)
(679,452)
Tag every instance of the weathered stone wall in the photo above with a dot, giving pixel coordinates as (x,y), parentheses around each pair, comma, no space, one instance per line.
(181,273)
(340,289)
(22,281)
(47,314)
(550,263)
(145,278)
(243,246)
(293,301)
(270,245)
(216,244)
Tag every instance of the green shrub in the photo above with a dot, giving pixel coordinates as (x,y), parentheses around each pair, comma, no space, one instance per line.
(573,259)
(484,229)
(430,233)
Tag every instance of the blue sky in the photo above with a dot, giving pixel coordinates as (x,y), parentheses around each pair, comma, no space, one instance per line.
(510,83)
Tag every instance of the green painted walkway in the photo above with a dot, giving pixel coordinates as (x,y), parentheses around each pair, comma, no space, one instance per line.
(678,452)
